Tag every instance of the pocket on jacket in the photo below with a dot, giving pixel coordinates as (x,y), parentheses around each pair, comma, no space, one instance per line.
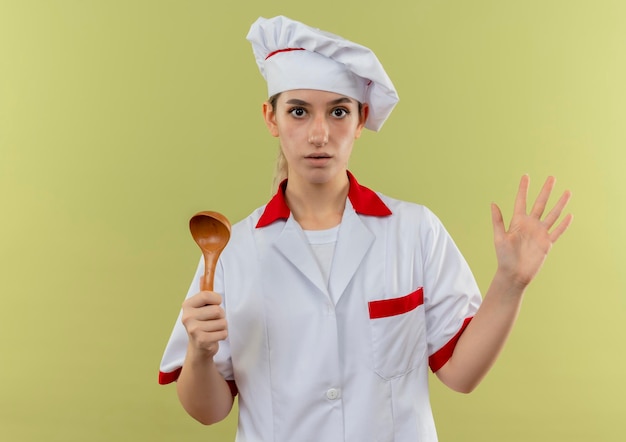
(397,330)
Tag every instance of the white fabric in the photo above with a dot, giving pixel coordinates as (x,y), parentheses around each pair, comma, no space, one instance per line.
(328,62)
(302,69)
(308,370)
(322,243)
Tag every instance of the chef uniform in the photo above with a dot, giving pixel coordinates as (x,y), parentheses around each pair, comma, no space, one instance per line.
(331,334)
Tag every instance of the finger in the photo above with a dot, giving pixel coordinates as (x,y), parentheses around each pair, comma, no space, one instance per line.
(561,228)
(556,211)
(542,198)
(497,221)
(217,336)
(210,326)
(203,298)
(193,318)
(522,195)
(203,330)
(209,312)
(209,340)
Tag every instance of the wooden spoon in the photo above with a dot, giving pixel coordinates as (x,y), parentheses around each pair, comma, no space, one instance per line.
(211,231)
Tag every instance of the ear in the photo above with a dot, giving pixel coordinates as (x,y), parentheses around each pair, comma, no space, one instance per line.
(365,111)
(270,119)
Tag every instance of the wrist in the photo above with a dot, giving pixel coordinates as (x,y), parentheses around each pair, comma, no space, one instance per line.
(199,356)
(508,285)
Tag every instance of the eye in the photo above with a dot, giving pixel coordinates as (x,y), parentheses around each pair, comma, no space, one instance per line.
(340,112)
(297,112)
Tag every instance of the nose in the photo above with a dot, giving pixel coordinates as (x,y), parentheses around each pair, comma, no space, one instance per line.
(318,131)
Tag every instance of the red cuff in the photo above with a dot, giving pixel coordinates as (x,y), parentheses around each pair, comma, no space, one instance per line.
(168,378)
(233,388)
(441,356)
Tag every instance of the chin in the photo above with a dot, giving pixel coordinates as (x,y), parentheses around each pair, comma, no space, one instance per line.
(322,175)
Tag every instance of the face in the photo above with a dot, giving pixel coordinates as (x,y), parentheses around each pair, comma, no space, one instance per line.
(317,130)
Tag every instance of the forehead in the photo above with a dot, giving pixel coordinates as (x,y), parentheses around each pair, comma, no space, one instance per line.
(314,96)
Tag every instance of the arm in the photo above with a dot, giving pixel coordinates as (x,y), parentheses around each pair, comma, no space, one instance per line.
(202,390)
(520,252)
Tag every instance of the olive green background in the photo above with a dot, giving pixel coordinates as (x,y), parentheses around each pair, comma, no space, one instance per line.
(120,119)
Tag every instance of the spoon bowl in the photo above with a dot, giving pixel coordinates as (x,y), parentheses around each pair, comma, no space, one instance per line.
(211,231)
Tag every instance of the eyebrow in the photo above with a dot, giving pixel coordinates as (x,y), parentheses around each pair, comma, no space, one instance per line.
(299,102)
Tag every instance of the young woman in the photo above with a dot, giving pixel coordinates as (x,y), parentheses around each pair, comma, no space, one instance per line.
(332,301)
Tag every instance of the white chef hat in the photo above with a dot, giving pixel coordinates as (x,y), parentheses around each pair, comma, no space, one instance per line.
(292,55)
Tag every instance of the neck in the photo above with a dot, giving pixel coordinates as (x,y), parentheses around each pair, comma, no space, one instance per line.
(317,206)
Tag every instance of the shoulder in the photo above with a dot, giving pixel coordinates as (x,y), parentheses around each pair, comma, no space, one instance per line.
(406,211)
(245,227)
(415,221)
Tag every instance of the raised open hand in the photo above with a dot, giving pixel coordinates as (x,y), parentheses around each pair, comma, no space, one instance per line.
(522,249)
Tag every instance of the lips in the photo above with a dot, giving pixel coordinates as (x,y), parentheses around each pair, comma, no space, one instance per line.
(318,159)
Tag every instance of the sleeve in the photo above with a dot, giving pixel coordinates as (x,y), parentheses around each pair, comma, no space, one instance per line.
(451,294)
(176,348)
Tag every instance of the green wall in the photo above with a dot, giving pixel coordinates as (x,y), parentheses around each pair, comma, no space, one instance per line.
(120,119)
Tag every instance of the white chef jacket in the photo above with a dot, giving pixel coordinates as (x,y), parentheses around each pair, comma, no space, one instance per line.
(308,369)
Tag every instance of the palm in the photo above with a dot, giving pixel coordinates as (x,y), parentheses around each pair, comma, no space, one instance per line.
(522,249)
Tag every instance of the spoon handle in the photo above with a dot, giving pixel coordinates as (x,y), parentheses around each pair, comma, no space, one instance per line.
(210,262)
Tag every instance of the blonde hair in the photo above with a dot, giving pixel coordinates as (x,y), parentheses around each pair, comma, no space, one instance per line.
(280,169)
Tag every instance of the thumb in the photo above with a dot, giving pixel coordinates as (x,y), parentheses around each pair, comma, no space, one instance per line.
(497,221)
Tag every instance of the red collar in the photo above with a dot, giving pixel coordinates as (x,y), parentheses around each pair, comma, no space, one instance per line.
(365,202)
